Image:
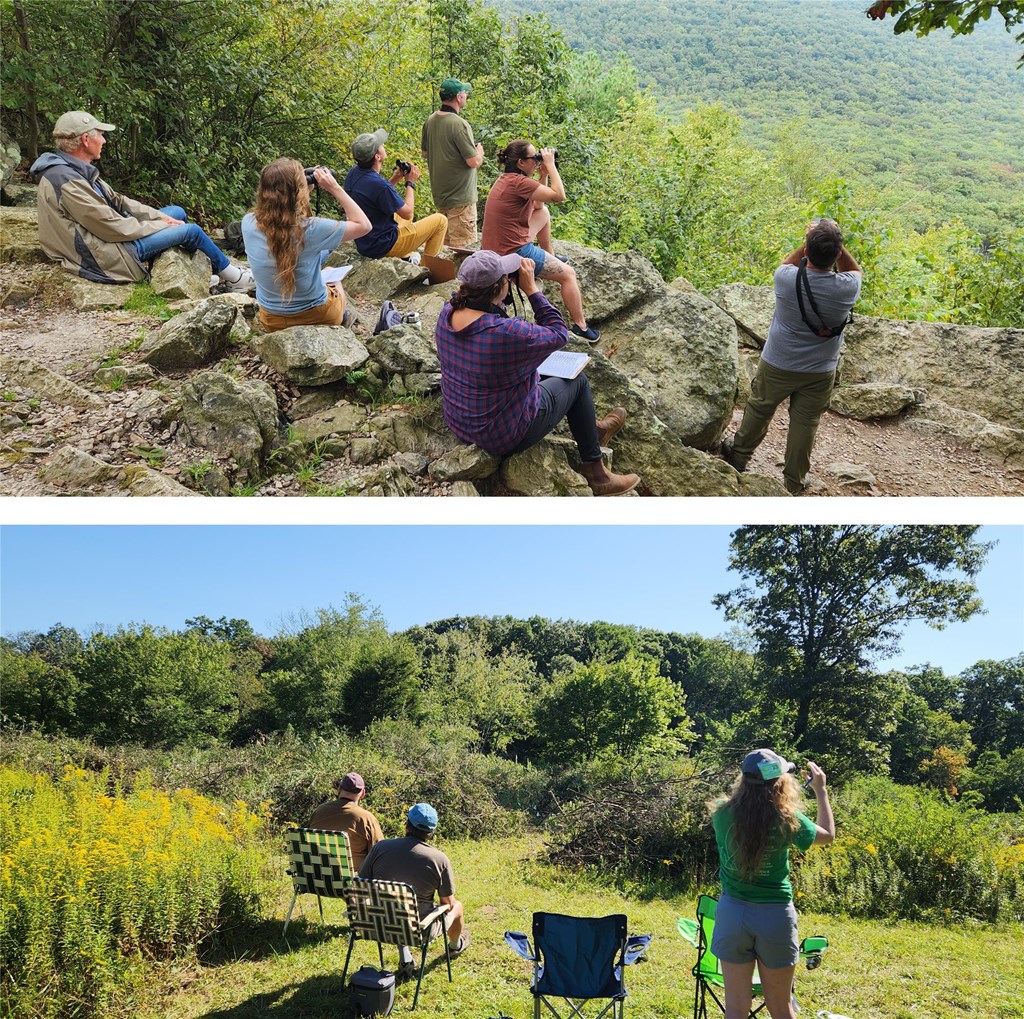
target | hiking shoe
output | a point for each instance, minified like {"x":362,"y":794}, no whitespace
{"x":590,"y":334}
{"x":407,"y":971}
{"x":463,"y":944}
{"x":244,"y":283}
{"x":610,"y":425}
{"x":731,"y":457}
{"x":348,"y":319}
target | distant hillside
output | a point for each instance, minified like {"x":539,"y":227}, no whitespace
{"x":927,"y":129}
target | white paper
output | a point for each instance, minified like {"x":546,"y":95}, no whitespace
{"x":335,"y":275}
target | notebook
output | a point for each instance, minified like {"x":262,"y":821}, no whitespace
{"x":563,"y":364}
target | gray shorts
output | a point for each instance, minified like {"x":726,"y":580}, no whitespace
{"x":756,"y":931}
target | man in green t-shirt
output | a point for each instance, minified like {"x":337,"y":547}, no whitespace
{"x":452,"y":160}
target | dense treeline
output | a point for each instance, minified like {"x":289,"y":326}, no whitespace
{"x":693,"y":193}
{"x":560,"y":694}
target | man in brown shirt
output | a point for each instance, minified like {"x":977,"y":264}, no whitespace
{"x":345,"y":814}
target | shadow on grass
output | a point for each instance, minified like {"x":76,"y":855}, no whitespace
{"x":315,"y":998}
{"x":263,"y":940}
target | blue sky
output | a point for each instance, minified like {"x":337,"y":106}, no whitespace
{"x":658,"y":576}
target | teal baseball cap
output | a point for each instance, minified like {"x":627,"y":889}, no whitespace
{"x":451,"y":87}
{"x":422,"y":816}
{"x":764,"y":765}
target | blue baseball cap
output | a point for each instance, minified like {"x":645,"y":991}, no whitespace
{"x":422,"y":816}
{"x":765,"y":765}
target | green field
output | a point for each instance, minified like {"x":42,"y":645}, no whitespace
{"x":873,"y":970}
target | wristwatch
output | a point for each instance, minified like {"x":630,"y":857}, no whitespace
{"x":410,"y":184}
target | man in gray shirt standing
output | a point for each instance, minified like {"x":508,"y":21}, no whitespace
{"x":427,"y":869}
{"x":815,"y":288}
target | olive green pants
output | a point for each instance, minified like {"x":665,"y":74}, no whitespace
{"x":809,"y":394}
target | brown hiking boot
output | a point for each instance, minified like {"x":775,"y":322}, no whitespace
{"x":610,"y":425}
{"x":603,"y":482}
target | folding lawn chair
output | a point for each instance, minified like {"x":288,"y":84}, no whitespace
{"x":387,"y":912}
{"x":320,"y":862}
{"x":579,"y":959}
{"x":708,"y":969}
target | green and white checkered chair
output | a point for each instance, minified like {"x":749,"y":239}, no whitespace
{"x":320,"y":864}
{"x":386,"y":912}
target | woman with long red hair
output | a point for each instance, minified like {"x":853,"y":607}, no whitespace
{"x":287,"y":246}
{"x":755,"y":921}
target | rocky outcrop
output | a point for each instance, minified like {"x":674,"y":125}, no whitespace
{"x":19,"y":235}
{"x":10,"y":156}
{"x":179,"y":275}
{"x":542,"y":470}
{"x":750,"y":307}
{"x":870,"y":400}
{"x":999,"y":441}
{"x":40,"y":379}
{"x":89,"y":296}
{"x":76,"y":472}
{"x":192,"y":339}
{"x":611,"y":283}
{"x":464,"y":463}
{"x":312,"y":355}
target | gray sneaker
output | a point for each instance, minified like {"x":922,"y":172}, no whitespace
{"x":462,"y":946}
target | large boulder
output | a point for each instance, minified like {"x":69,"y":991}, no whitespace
{"x":19,"y":235}
{"x":543,"y":470}
{"x":420,"y":430}
{"x":977,"y":369}
{"x":464,"y":463}
{"x":312,"y":355}
{"x":234,"y":418}
{"x":374,"y":280}
{"x":21,"y":371}
{"x":343,"y":419}
{"x":179,"y":275}
{"x":752,"y":309}
{"x":682,"y":350}
{"x":87,"y":295}
{"x":871,"y":400}
{"x":402,"y":350}
{"x":999,"y":441}
{"x":191,"y":339}
{"x":648,"y":447}
{"x":611,"y":282}
{"x":10,"y":156}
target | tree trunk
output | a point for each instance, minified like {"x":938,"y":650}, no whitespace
{"x":31,"y":113}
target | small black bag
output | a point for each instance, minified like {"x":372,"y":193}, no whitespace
{"x":371,"y":992}
{"x":233,"y":241}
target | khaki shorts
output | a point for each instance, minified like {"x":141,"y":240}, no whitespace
{"x":461,"y":225}
{"x":330,"y":313}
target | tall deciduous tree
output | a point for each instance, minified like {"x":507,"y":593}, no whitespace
{"x":824,"y":602}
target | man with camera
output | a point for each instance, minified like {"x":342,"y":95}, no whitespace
{"x":452,"y":159}
{"x":393,"y":234}
{"x":816,"y":288}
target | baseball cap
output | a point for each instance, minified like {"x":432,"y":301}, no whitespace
{"x":484,"y":268}
{"x":352,"y":783}
{"x":765,"y":765}
{"x":77,"y":122}
{"x":422,"y":816}
{"x":451,"y":87}
{"x":364,"y":148}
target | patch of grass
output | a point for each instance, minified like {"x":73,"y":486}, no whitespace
{"x":152,"y":455}
{"x":113,"y":357}
{"x":329,"y":491}
{"x":197,"y":471}
{"x":145,"y":301}
{"x":115,"y":382}
{"x":873,"y":969}
{"x":9,"y":396}
{"x":247,"y":489}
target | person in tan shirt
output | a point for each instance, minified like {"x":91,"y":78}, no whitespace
{"x":345,"y":814}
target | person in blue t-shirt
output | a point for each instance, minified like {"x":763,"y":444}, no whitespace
{"x":287,"y":246}
{"x":755,"y":922}
{"x":394,"y":233}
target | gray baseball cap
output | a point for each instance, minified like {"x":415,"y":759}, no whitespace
{"x":364,"y":148}
{"x":764,"y":765}
{"x":76,"y":122}
{"x":484,"y":268}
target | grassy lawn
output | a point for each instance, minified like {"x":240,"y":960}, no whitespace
{"x":873,"y":970}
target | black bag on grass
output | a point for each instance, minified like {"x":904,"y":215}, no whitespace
{"x":371,"y":992}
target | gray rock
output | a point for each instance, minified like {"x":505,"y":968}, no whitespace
{"x":422,"y":383}
{"x":177,"y":274}
{"x":312,"y":355}
{"x":317,"y":399}
{"x":129,"y":375}
{"x":341,"y":420}
{"x":10,"y":156}
{"x":413,"y":464}
{"x":464,"y":463}
{"x":150,"y":404}
{"x":39,"y":379}
{"x":233,"y":418}
{"x":752,"y":308}
{"x":141,"y":480}
{"x":872,"y":400}
{"x":976,"y":369}
{"x":611,"y":282}
{"x":387,"y":481}
{"x":464,"y":490}
{"x":192,"y":339}
{"x":9,"y":421}
{"x":422,"y":431}
{"x":683,"y":285}
{"x":19,"y":235}
{"x":403,"y":349}
{"x":999,"y":441}
{"x":76,"y":470}
{"x":544,"y":471}
{"x":89,"y":296}
{"x":374,"y":280}
{"x":683,"y":348}
{"x":850,"y":473}
{"x":364,"y":449}
{"x":214,"y":483}
{"x":21,"y":195}
{"x":748,"y":363}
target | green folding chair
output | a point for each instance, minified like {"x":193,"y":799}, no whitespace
{"x":708,"y":969}
{"x":320,"y":864}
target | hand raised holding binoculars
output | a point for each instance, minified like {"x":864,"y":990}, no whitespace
{"x":528,"y":276}
{"x":548,"y":157}
{"x":326,"y":181}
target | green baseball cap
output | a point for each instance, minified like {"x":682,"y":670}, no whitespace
{"x":364,"y":148}
{"x":451,"y":87}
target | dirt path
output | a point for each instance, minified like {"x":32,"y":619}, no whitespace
{"x":37,"y":321}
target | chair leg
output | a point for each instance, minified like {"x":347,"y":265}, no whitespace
{"x":447,"y":954}
{"x":419,"y":979}
{"x":288,"y":918}
{"x":351,"y":942}
{"x":380,"y":952}
{"x":320,"y":903}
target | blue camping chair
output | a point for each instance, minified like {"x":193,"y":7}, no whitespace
{"x":579,"y":959}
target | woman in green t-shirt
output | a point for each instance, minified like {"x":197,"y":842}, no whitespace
{"x":755,"y":922}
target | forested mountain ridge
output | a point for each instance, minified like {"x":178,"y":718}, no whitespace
{"x":932,"y":129}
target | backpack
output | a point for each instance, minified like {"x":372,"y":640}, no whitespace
{"x":233,"y":239}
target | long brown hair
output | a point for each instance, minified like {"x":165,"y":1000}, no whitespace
{"x":760,"y":812}
{"x":281,"y":209}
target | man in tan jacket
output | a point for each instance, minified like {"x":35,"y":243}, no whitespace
{"x":345,"y":814}
{"x":99,"y":234}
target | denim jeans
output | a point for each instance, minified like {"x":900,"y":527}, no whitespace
{"x":570,"y":399}
{"x":189,"y":236}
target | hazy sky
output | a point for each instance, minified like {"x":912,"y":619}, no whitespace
{"x":663,"y":577}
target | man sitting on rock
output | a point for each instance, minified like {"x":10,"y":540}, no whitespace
{"x":427,"y":869}
{"x":394,"y":233}
{"x":815,"y":288}
{"x":345,"y":814}
{"x":99,"y":234}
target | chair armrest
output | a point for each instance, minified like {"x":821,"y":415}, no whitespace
{"x":431,"y":917}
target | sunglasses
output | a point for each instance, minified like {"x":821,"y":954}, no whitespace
{"x":538,"y":158}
